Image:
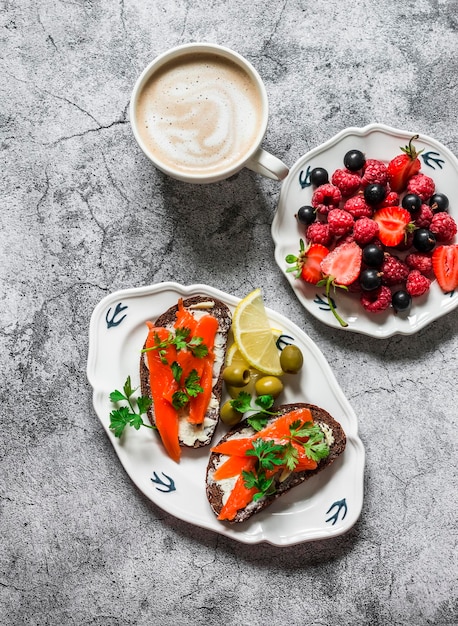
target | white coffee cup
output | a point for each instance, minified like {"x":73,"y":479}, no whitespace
{"x":199,"y":112}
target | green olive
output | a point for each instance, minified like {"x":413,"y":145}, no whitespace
{"x":291,"y":359}
{"x":269,"y":386}
{"x":236,"y":375}
{"x":229,"y":415}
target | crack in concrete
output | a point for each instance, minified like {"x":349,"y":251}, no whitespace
{"x":122,"y":120}
{"x":101,"y":227}
{"x":43,"y":197}
{"x":74,"y":104}
{"x":113,"y":180}
{"x":122,"y":16}
{"x":276,"y":24}
{"x":85,"y":132}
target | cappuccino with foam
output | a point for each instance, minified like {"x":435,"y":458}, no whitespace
{"x":199,"y":112}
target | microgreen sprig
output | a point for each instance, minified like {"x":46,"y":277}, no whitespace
{"x":127,"y":415}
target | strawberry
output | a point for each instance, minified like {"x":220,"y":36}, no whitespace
{"x":403,"y":167}
{"x":394,"y":224}
{"x":445,"y":267}
{"x":341,"y":267}
{"x":343,"y":264}
{"x":307,"y":264}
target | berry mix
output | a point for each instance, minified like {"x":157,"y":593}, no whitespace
{"x":380,"y":230}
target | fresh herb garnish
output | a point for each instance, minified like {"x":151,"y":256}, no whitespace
{"x":182,"y":340}
{"x":190,"y":389}
{"x":315,"y":447}
{"x":270,"y":455}
{"x":243,"y":404}
{"x":266,"y":453}
{"x":259,"y":481}
{"x":127,"y":415}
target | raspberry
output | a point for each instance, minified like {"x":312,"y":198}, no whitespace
{"x":347,"y":239}
{"x":318,"y":232}
{"x":358,"y":207}
{"x":325,"y":198}
{"x":391,"y":199}
{"x":421,"y":185}
{"x":340,"y":222}
{"x":394,"y":270}
{"x":443,"y":226}
{"x":417,"y":284}
{"x":424,"y":216}
{"x":348,"y":182}
{"x":365,"y":230}
{"x":376,"y":301}
{"x":419,"y":261}
{"x":374,"y":172}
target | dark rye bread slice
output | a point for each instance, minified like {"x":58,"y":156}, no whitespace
{"x":320,"y":416}
{"x":193,"y":435}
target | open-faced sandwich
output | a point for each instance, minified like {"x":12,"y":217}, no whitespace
{"x":262,"y":458}
{"x":181,"y":371}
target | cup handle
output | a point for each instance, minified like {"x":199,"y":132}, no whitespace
{"x":268,"y":165}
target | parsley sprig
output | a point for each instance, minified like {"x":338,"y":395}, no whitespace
{"x":189,"y":388}
{"x":315,"y":447}
{"x":243,"y":404}
{"x":128,"y":415}
{"x":181,"y":339}
{"x":270,"y":455}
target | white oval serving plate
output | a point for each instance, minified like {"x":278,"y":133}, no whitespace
{"x":325,"y":506}
{"x":377,"y":141}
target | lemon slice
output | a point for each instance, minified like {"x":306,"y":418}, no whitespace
{"x":253,"y":335}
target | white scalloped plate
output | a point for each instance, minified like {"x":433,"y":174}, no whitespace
{"x":379,"y":142}
{"x":325,"y":506}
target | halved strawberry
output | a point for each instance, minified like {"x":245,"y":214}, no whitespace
{"x":394,"y":224}
{"x":341,"y":267}
{"x":343,"y":264}
{"x":445,"y":267}
{"x":403,"y":167}
{"x":307,"y":264}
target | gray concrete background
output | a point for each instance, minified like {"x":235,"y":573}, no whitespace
{"x":83,"y":214}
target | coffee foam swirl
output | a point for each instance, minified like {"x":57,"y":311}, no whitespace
{"x":201,"y":115}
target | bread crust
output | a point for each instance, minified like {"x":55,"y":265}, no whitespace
{"x":193,"y":435}
{"x":320,"y":416}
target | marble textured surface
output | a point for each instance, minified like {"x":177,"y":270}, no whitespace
{"x":84,"y":214}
